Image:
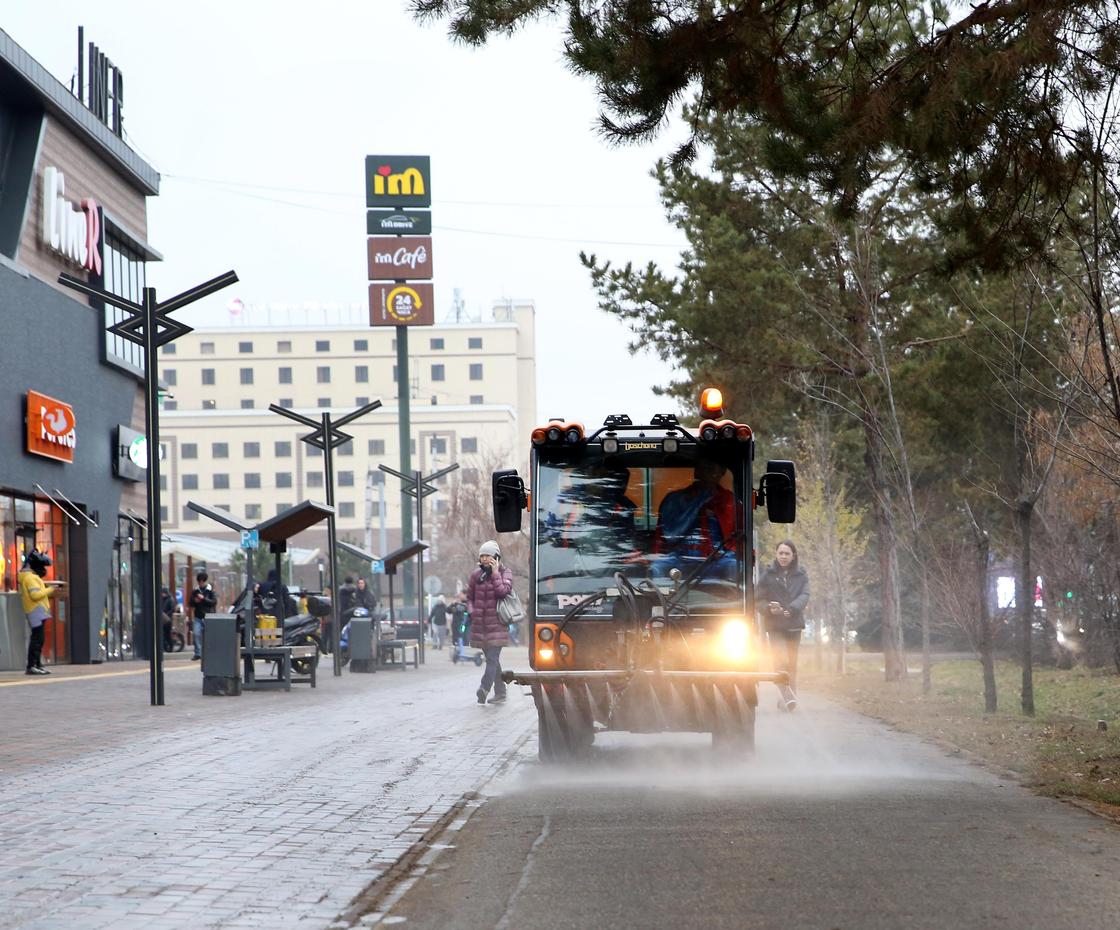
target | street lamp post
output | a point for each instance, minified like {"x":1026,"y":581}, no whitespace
{"x":149,"y":325}
{"x":328,"y":437}
{"x":417,"y":487}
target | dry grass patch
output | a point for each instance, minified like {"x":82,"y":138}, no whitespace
{"x":1059,"y":752}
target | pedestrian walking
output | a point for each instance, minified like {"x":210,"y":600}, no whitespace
{"x":488,"y":584}
{"x":438,"y":620}
{"x":167,"y":607}
{"x":460,"y":625}
{"x":783,"y":592}
{"x":36,"y":596}
{"x":203,"y":602}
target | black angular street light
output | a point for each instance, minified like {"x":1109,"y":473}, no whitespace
{"x":418,"y":486}
{"x":149,"y":326}
{"x":328,"y":437}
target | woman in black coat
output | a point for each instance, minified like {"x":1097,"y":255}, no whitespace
{"x":783,"y":592}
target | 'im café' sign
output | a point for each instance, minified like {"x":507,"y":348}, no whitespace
{"x":399,"y":247}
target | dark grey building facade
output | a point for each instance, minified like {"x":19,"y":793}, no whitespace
{"x":73,"y":198}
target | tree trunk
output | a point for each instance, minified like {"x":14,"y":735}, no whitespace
{"x":894,"y":659}
{"x":985,"y":638}
{"x":927,"y":667}
{"x":1025,"y":602}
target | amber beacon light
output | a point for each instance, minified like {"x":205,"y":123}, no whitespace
{"x":711,"y":402}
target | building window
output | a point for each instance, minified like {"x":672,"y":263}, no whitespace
{"x":346,"y":479}
{"x":283,"y":479}
{"x":474,"y":342}
{"x":169,"y":349}
{"x":189,"y":515}
{"x":361,"y":373}
{"x":412,"y":446}
{"x":219,"y":450}
{"x":439,"y":445}
{"x":189,"y":450}
{"x":247,"y":375}
{"x":252,"y":479}
{"x":476,"y":398}
{"x":282,"y":450}
{"x":476,"y":371}
{"x":207,"y":376}
{"x":394,"y":372}
{"x":209,"y":405}
{"x":190,"y":482}
{"x":251,"y":450}
{"x":470,"y":475}
{"x":314,"y":479}
{"x":375,"y":508}
{"x":170,"y":405}
{"x":169,"y":377}
{"x":361,"y":345}
{"x":468,"y":444}
{"x":376,"y":447}
{"x":206,"y":348}
{"x":125,"y":275}
{"x":280,"y":508}
{"x":437,"y":373}
{"x":314,"y":452}
{"x":323,"y":374}
{"x":346,"y":509}
{"x":285,"y":376}
{"x":361,"y":401}
{"x":435,"y":344}
{"x":376,"y":478}
{"x":324,"y":402}
{"x":347,"y":448}
{"x":248,"y":405}
{"x":286,"y":403}
{"x":245,"y":348}
{"x":284,"y":345}
{"x":252,"y":511}
{"x":322,"y":345}
{"x":163,"y":514}
{"x":221,"y":482}
{"x":441,"y":507}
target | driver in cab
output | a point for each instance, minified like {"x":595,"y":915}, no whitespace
{"x":696,"y":521}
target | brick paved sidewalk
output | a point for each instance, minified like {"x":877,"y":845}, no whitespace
{"x":272,"y":809}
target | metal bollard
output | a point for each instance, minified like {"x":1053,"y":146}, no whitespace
{"x":221,"y":656}
{"x":363,"y":645}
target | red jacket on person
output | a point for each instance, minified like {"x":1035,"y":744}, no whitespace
{"x":484,"y":590}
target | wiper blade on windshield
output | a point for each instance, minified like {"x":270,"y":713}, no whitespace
{"x":695,"y":574}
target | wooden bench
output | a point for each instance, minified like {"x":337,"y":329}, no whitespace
{"x":387,"y":650}
{"x":283,"y":657}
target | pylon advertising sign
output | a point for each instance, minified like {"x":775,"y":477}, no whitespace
{"x":399,"y":304}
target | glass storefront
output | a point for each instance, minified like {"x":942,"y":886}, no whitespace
{"x":27,"y":523}
{"x":124,"y":599}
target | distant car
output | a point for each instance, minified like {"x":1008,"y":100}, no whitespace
{"x":406,"y":622}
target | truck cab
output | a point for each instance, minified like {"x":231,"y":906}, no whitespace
{"x":641,"y":594}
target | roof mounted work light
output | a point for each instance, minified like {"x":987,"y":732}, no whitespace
{"x":711,"y":402}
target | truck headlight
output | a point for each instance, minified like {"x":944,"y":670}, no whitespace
{"x":735,"y":640}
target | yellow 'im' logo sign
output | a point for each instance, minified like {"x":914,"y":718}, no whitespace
{"x":398,"y":181}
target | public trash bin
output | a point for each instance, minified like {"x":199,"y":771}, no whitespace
{"x":363,"y":645}
{"x":221,"y":656}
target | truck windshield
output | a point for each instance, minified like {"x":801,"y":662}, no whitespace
{"x":595,"y":519}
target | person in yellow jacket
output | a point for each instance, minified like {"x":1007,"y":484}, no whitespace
{"x":36,"y":599}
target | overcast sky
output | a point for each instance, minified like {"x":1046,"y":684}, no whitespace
{"x":258,"y":116}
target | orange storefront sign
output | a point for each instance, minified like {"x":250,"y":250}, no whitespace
{"x":51,"y":427}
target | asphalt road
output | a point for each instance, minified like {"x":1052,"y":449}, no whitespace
{"x":838,"y":823}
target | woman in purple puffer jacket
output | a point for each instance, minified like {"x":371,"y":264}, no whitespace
{"x":488,"y":584}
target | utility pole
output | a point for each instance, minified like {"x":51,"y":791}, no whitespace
{"x":149,"y":325}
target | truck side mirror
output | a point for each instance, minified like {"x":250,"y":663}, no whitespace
{"x":779,"y":489}
{"x":509,"y":500}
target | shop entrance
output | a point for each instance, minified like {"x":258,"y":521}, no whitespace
{"x":124,"y":598}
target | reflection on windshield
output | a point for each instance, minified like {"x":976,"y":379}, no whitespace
{"x":599,"y":519}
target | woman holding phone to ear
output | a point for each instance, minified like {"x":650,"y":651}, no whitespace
{"x":783,"y":592}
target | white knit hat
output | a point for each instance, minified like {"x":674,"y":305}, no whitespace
{"x":490,"y":548}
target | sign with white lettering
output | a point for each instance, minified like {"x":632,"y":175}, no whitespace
{"x":398,"y":181}
{"x":400,"y":258}
{"x":72,"y":232}
{"x":51,"y":428}
{"x":397,"y":304}
{"x":398,"y":222}
{"x":250,"y":539}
